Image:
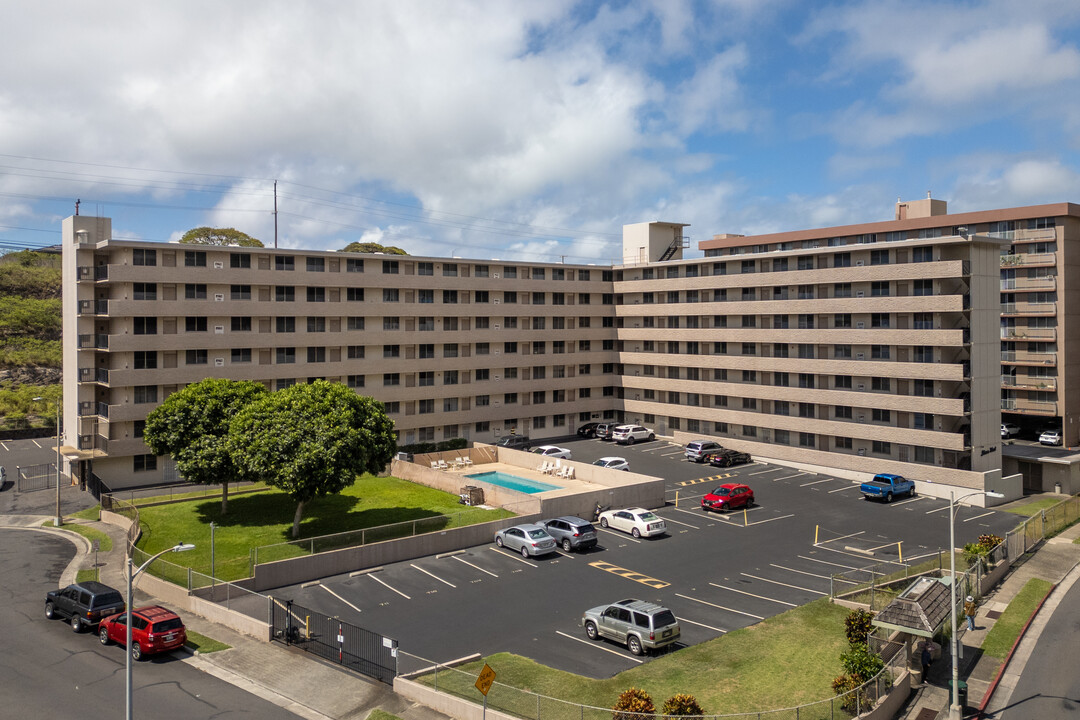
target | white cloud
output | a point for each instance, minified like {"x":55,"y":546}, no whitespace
{"x":987,"y":181}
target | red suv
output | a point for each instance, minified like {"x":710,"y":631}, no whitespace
{"x":728,"y":497}
{"x":153,"y":630}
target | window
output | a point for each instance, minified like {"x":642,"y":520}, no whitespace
{"x":240,"y":292}
{"x":482,"y":374}
{"x":881,"y":415}
{"x":882,"y":448}
{"x":390,"y":267}
{"x":425,"y":297}
{"x":284,"y":262}
{"x":316,"y":354}
{"x":510,"y":399}
{"x":450,"y":404}
{"x":922,"y":421}
{"x":144,"y":463}
{"x":315,"y":264}
{"x":286,"y":356}
{"x":145,"y":359}
{"x":781,"y":379}
{"x":539,"y":323}
{"x":922,"y":321}
{"x":881,"y":384}
{"x":241,"y":324}
{"x":806,"y":351}
{"x":316,"y":294}
{"x":749,"y":348}
{"x":842,"y":290}
{"x":391,"y":379}
{"x":356,"y":352}
{"x":145,"y":326}
{"x":842,"y":259}
{"x":749,"y":403}
{"x":354,"y":265}
{"x":923,"y":287}
{"x":842,"y":352}
{"x":807,"y":440}
{"x":539,"y":347}
{"x":842,"y":443}
{"x":749,"y":321}
{"x":806,"y":410}
{"x":449,"y":297}
{"x":390,"y":295}
{"x":196,"y":357}
{"x":879,"y":352}
{"x":806,"y":380}
{"x":241,"y":355}
{"x":450,"y":377}
{"x":138,"y":428}
{"x":354,"y":294}
{"x":879,"y":320}
{"x":842,"y":382}
{"x":879,"y":257}
{"x":450,"y":350}
{"x":510,"y":347}
{"x":922,"y":254}
{"x":144,"y":291}
{"x":286,"y":324}
{"x":195,"y":324}
{"x":879,"y":288}
{"x":509,"y":271}
{"x":355,"y":323}
{"x":481,"y":296}
{"x":391,"y":351}
{"x":749,"y":376}
{"x":144,"y":257}
{"x":355,"y":381}
{"x":391,"y":323}
{"x":483,"y":400}
{"x":923,"y":388}
{"x":284,"y":293}
{"x":195,"y":291}
{"x":240,"y":261}
{"x":194,"y":258}
{"x":781,"y":407}
{"x":806,"y":322}
{"x":425,"y":268}
{"x":425,"y":407}
{"x":842,"y":412}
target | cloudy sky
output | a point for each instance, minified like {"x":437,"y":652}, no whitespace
{"x":529,"y":130}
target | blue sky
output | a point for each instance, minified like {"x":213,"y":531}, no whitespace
{"x":529,"y":130}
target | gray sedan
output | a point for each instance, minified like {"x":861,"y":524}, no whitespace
{"x":528,"y":539}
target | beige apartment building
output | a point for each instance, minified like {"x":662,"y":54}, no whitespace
{"x":857,"y":350}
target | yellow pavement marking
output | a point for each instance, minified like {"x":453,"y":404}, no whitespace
{"x":630,"y":574}
{"x":713,"y":478}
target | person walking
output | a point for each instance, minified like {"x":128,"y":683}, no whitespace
{"x":970,"y":608}
{"x":927,"y":658}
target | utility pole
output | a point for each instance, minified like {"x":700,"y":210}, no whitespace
{"x":275,"y":214}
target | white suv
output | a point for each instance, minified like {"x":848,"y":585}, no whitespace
{"x":630,"y":434}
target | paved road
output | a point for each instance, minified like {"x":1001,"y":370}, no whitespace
{"x":1049,"y":688}
{"x":48,"y":671}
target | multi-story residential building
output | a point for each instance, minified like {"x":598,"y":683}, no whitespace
{"x":854,"y":352}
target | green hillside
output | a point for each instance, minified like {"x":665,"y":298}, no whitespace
{"x":30,"y":328}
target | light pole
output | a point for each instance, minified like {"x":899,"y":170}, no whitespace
{"x":955,"y":711}
{"x":58,"y":520}
{"x":181,"y":547}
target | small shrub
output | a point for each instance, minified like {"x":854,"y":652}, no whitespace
{"x":632,"y":704}
{"x":851,"y":698}
{"x":681,"y":704}
{"x":452,"y":444}
{"x":857,"y":625}
{"x":860,"y":663}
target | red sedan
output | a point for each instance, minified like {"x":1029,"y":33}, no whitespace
{"x":728,"y":497}
{"x":154,"y":629}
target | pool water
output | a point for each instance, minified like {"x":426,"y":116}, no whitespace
{"x":513,"y":482}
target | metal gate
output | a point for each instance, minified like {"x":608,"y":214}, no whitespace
{"x":35,"y":477}
{"x":353,"y":647}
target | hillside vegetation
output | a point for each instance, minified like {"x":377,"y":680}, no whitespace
{"x":30,"y":347}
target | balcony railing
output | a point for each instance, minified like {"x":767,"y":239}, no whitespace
{"x":1023,"y":333}
{"x":98,"y":375}
{"x":1020,"y":382}
{"x":93,"y":307}
{"x":93,"y":442}
{"x":100,"y":342}
{"x":89,"y":407}
{"x":1046,"y":282}
{"x":1024,"y":405}
{"x":1025,"y":356}
{"x":1029,"y":308}
{"x":1026,"y":235}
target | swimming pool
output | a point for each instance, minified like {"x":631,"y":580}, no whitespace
{"x":513,"y":482}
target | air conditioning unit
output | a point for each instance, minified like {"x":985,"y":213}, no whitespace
{"x":219,"y":362}
{"x":218,"y":265}
{"x":219,"y":297}
{"x":497,"y":301}
{"x":860,"y":325}
{"x":858,"y":263}
{"x":861,"y":386}
{"x":495,"y":275}
{"x":219,"y":329}
{"x":860,"y":293}
{"x":862,"y":451}
{"x":497,"y":326}
{"x":498,"y":378}
{"x":859,"y":356}
{"x":862,"y":418}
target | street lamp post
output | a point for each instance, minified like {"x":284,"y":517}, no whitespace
{"x":955,"y":711}
{"x":58,"y":520}
{"x":181,"y":547}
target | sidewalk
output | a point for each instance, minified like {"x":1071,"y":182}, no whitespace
{"x":1057,"y":561}
{"x":302,"y":684}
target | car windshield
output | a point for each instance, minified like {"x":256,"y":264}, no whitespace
{"x":537,"y":534}
{"x":601,"y":463}
{"x":663,"y":619}
{"x":647,"y":516}
{"x":110,"y":598}
{"x":723,"y":491}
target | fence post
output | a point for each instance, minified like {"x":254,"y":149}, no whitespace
{"x":537,"y":706}
{"x":189,"y":581}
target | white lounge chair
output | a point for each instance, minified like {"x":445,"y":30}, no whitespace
{"x":434,"y":465}
{"x":443,"y":465}
{"x":466,"y":461}
{"x":543,"y":467}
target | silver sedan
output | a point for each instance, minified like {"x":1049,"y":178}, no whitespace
{"x":528,"y":539}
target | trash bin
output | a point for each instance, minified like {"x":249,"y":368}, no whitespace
{"x":961,"y":693}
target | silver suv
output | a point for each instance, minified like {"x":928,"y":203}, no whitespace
{"x":638,"y":624}
{"x":697,"y":450}
{"x":573,"y":533}
{"x":629,"y":434}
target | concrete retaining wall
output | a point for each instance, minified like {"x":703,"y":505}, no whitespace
{"x":445,"y":703}
{"x":890,"y":705}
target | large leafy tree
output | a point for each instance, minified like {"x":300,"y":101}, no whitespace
{"x":193,"y":426}
{"x":311,"y":440}
{"x":373,"y":247}
{"x":219,"y":236}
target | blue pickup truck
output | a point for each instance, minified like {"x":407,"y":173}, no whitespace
{"x":885,"y":487}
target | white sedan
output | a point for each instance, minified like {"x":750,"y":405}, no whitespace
{"x":552,"y":451}
{"x":613,"y":463}
{"x":636,"y":521}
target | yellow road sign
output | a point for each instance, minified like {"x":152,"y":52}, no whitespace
{"x":483,"y":682}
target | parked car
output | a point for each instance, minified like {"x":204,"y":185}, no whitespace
{"x":613,"y":463}
{"x":1050,"y":437}
{"x":640,"y":625}
{"x":726,"y":457}
{"x":552,"y":451}
{"x":696,"y":450}
{"x":83,"y":604}
{"x":630,"y":434}
{"x":154,"y":629}
{"x":639,"y":522}
{"x":603,"y":431}
{"x":587,"y":430}
{"x":514,"y":442}
{"x":528,"y":539}
{"x":1009,"y":430}
{"x":728,"y":497}
{"x":573,"y":533}
{"x":886,"y":486}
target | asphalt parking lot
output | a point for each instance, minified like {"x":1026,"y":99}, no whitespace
{"x":717,"y":573}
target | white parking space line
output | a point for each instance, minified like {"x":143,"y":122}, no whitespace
{"x":842,"y":537}
{"x":826,"y":562}
{"x":762,"y":522}
{"x":389,"y":587}
{"x":430,"y":574}
{"x":759,"y":597}
{"x":760,"y":472}
{"x":598,"y":646}
{"x":36,"y":443}
{"x":681,"y":523}
{"x":6,"y":448}
{"x":682,"y":619}
{"x":688,"y":512}
{"x":864,"y":557}
{"x":979,"y":516}
{"x":624,"y":536}
{"x":817,"y":482}
{"x":911,"y":560}
{"x":777,"y":582}
{"x":917,"y":498}
{"x":804,"y":572}
{"x":852,"y":486}
{"x":706,"y":602}
{"x":512,"y":556}
{"x":788,"y":477}
{"x":477,"y":567}
{"x":946,"y":507}
{"x":339,"y":597}
{"x":672,"y":454}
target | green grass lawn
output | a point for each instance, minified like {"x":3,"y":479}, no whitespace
{"x":203,"y":644}
{"x":1034,"y":507}
{"x":1003,"y":635}
{"x":381,"y":715}
{"x":86,"y":574}
{"x":88,"y":532}
{"x":786,"y":660}
{"x":93,"y":514}
{"x":266,"y":518}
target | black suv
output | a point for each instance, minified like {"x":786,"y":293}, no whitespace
{"x":84,"y":604}
{"x":514,"y":442}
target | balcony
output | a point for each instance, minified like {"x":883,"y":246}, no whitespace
{"x":1023,"y":382}
{"x":1023,"y":334}
{"x":1029,"y":308}
{"x":89,"y":407}
{"x":1025,"y":357}
{"x":1029,"y":407}
{"x":96,"y":375}
{"x":1039,"y":235}
{"x":1044,"y":283}
{"x":95,"y":342}
{"x":1028,"y":259}
{"x":93,"y":442}
{"x":93,"y":307}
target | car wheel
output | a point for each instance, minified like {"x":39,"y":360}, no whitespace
{"x":630,"y":440}
{"x":499,"y":541}
{"x":524,"y":551}
{"x":590,"y":630}
{"x":636,"y":533}
{"x":888,"y":497}
{"x":750,"y":502}
{"x":566,"y":544}
{"x":76,"y":624}
{"x":603,"y":522}
{"x":103,"y":635}
{"x":652,"y":436}
{"x":635,"y":645}
{"x":50,"y":611}
{"x":136,"y":650}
